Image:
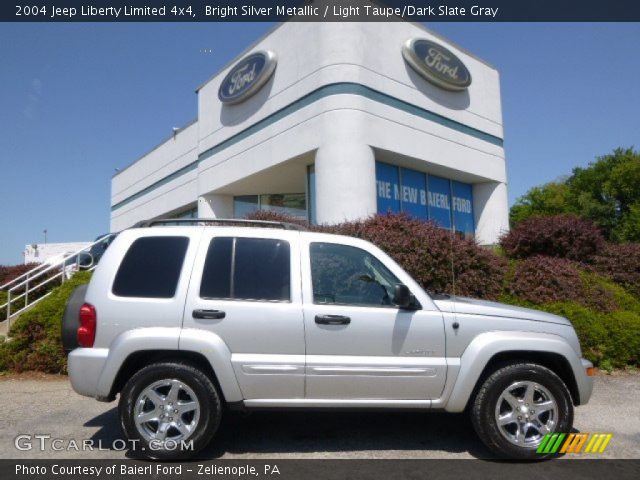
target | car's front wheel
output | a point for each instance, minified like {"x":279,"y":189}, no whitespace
{"x":169,"y":410}
{"x":519,"y":404}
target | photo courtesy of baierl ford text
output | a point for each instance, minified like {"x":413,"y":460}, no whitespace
{"x":328,"y":239}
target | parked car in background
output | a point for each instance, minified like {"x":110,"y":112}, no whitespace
{"x":97,"y":250}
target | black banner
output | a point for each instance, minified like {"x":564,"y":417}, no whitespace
{"x":320,"y":469}
{"x":321,"y":11}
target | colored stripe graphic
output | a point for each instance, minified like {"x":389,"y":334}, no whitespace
{"x":573,"y":443}
{"x":551,"y":443}
{"x":598,"y":443}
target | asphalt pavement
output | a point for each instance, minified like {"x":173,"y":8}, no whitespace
{"x":47,"y":406}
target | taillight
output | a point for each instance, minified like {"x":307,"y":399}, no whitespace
{"x":87,"y":328}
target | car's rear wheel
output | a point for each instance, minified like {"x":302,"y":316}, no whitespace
{"x":518,"y":405}
{"x":169,"y":410}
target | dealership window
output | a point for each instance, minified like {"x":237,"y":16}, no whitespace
{"x":245,"y":205}
{"x":189,"y":213}
{"x":311,"y":189}
{"x":447,"y":203}
{"x":292,"y":204}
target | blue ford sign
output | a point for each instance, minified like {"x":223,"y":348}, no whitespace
{"x":247,"y":77}
{"x":436,"y":64}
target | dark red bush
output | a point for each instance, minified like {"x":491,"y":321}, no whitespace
{"x":564,"y":236}
{"x":621,"y":263}
{"x":541,"y":279}
{"x":425,"y":251}
{"x":9,"y":272}
{"x":276,"y":217}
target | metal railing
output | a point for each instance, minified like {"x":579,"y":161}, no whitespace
{"x":35,"y":285}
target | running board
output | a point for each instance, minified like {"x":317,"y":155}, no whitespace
{"x":336,"y":403}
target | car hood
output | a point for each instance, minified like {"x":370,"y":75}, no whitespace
{"x":473,"y":306}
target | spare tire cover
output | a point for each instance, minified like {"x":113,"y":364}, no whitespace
{"x":70,"y":319}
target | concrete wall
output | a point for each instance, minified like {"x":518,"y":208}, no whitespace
{"x":339,"y":131}
{"x":176,"y":154}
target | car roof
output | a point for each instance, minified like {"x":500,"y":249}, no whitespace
{"x":217,"y":222}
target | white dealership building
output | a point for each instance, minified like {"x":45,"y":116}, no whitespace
{"x":334,"y":122}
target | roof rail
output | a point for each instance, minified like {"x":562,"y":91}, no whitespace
{"x":219,"y":221}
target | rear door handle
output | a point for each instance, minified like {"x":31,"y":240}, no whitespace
{"x":332,"y":320}
{"x":208,"y":314}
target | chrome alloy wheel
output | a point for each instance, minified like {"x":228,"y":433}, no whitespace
{"x":525,"y":412}
{"x":167,"y":410}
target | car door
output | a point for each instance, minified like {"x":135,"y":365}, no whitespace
{"x":245,"y":288}
{"x":359,"y":344}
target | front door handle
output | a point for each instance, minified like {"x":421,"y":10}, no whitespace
{"x":208,"y":314}
{"x":332,"y":320}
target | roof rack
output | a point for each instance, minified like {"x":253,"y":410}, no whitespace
{"x":220,"y":221}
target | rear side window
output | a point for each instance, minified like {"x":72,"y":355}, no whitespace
{"x":151,"y":268}
{"x":247,"y":269}
{"x":216,"y":278}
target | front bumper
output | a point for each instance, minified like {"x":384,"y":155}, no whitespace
{"x":584,"y":382}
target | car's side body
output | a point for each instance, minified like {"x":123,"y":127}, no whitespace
{"x":276,"y":353}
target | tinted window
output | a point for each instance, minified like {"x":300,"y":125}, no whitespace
{"x":216,"y":277}
{"x":247,"y":269}
{"x":347,"y":275}
{"x":151,"y":268}
{"x":261,"y":269}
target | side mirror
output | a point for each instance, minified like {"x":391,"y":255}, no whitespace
{"x":402,"y":296}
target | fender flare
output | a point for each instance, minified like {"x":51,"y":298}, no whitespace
{"x":486,"y":345}
{"x":208,"y":344}
{"x":217,"y":353}
{"x":128,"y":343}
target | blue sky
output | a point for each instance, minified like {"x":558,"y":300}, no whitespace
{"x":79,"y":100}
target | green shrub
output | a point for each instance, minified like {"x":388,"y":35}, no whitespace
{"x":35,"y":336}
{"x":590,"y":327}
{"x":623,"y":298}
{"x":607,"y":339}
{"x":623,"y":347}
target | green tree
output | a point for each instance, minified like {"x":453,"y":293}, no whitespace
{"x":606,"y":192}
{"x":548,"y":199}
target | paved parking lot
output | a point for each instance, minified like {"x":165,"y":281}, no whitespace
{"x":47,"y":405}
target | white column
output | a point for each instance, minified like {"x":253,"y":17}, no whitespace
{"x":491,"y":211}
{"x":215,"y":206}
{"x":345,"y":182}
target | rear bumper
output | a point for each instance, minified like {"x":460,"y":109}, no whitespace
{"x":584,"y":382}
{"x":85,"y":366}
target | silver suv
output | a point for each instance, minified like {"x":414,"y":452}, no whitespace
{"x":186,"y":319}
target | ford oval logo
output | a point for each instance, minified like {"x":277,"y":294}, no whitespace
{"x":246,"y":78}
{"x":436,"y":64}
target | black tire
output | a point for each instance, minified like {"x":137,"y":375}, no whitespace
{"x":206,"y":393}
{"x":483,"y":409}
